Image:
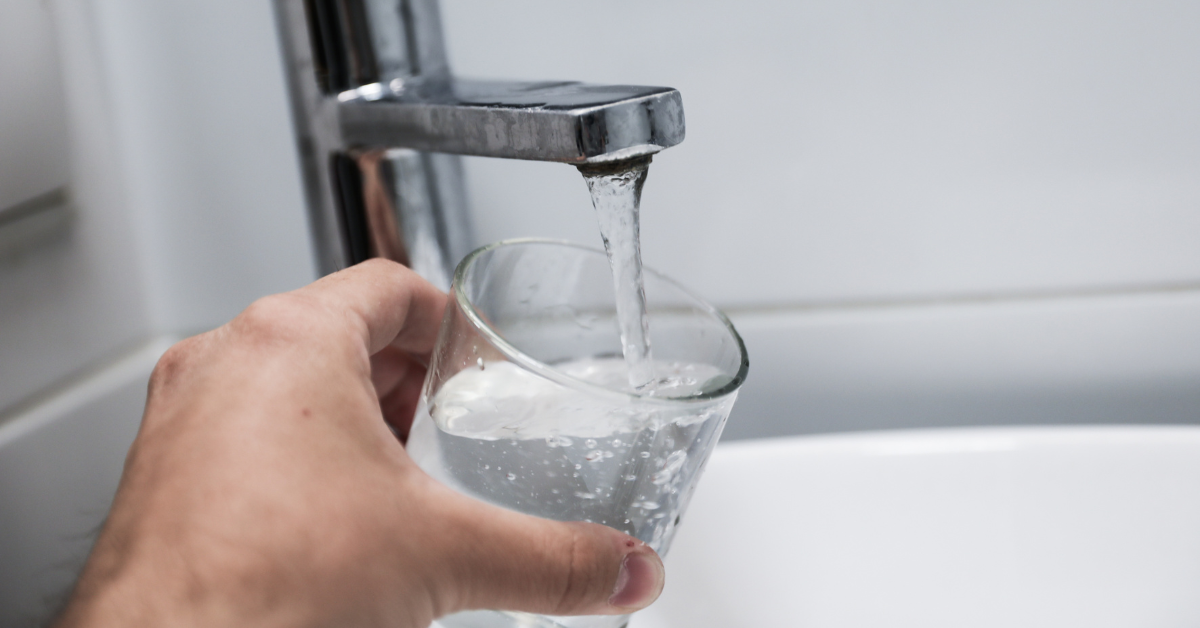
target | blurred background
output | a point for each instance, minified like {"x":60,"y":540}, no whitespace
{"x":918,"y":214}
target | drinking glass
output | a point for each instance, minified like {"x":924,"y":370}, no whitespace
{"x":527,"y":403}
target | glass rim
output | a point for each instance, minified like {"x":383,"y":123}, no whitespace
{"x":549,"y":372}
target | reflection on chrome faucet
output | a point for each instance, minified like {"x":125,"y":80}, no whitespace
{"x":380,"y":121}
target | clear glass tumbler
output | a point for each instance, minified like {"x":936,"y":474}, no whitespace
{"x":527,"y":403}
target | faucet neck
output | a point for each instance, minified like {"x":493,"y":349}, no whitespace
{"x":361,"y":42}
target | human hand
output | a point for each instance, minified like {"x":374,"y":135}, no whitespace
{"x":265,"y":487}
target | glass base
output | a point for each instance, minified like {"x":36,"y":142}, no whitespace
{"x":507,"y":619}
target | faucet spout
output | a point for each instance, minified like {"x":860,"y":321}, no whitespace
{"x":565,"y":122}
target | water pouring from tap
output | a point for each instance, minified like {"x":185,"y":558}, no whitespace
{"x":616,"y":189}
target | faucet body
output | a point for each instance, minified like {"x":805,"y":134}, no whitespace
{"x":380,"y":122}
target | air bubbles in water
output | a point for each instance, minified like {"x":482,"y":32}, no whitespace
{"x":671,"y":466}
{"x":558,"y":441}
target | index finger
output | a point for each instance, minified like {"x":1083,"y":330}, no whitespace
{"x":394,"y":305}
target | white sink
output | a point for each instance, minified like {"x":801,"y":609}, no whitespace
{"x":972,"y":528}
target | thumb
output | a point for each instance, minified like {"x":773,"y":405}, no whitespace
{"x":509,"y":561}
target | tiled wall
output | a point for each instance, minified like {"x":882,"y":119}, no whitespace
{"x":33,"y":158}
{"x":843,"y":160}
{"x":186,"y":202}
{"x":59,"y":466}
{"x":73,"y":301}
{"x":873,"y":150}
{"x":920,"y":213}
{"x":185,"y":205}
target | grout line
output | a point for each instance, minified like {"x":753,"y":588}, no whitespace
{"x":29,"y":207}
{"x":1027,"y":296}
{"x":80,"y":387}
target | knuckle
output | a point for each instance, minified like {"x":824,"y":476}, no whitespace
{"x":279,"y":317}
{"x":173,"y":363}
{"x":266,"y":313}
{"x":383,"y":264}
{"x":582,"y":585}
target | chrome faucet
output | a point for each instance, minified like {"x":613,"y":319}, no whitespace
{"x":380,"y":122}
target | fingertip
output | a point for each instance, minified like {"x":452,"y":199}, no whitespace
{"x":640,"y":580}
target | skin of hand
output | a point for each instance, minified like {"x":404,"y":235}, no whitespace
{"x":265,"y":487}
